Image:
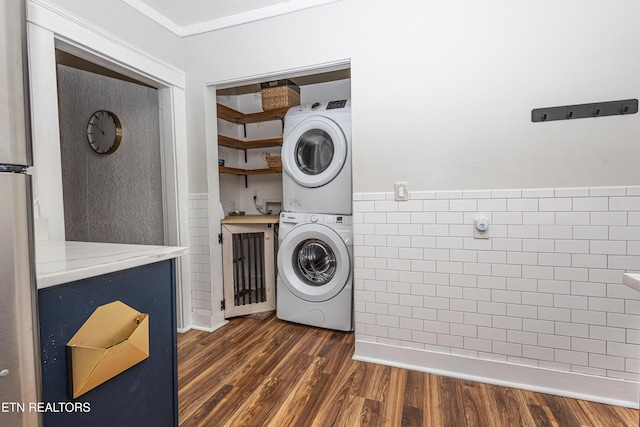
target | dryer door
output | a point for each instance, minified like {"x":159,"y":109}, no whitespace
{"x":315,"y":152}
{"x":314,"y":262}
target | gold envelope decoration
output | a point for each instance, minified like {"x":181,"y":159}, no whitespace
{"x":113,"y":339}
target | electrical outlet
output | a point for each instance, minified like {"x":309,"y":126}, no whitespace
{"x":273,"y":207}
{"x":402,"y":191}
{"x":481,"y":227}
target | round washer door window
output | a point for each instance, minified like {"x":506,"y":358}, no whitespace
{"x":314,"y":262}
{"x":315,"y":152}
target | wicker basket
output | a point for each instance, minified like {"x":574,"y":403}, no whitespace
{"x":274,"y":161}
{"x":279,"y":94}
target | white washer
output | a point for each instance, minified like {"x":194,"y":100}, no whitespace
{"x":315,"y":279}
{"x":316,"y":158}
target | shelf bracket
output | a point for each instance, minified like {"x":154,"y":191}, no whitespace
{"x":245,"y":154}
{"x":246,"y":181}
{"x":244,"y":128}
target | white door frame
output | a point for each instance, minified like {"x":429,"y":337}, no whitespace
{"x":49,"y":29}
{"x":213,"y":182}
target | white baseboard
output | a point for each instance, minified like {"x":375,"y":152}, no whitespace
{"x":202,"y":322}
{"x":578,"y":386}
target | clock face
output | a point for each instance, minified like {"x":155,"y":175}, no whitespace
{"x":104,"y":132}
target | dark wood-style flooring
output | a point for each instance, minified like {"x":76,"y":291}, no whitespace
{"x":274,"y":373}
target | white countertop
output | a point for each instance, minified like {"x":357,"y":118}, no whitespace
{"x":632,"y":280}
{"x":60,"y":262}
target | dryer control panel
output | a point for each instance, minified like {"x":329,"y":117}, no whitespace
{"x":336,"y":104}
{"x":343,"y":219}
{"x":319,"y":107}
{"x":302,"y":218}
{"x":328,"y":219}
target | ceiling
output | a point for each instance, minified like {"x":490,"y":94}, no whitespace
{"x":189,"y":12}
{"x":189,"y":17}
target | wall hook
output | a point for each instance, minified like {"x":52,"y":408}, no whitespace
{"x":582,"y":111}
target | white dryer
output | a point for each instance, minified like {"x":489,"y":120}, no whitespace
{"x":315,"y":279}
{"x":316,"y":158}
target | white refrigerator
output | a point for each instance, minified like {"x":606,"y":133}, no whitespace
{"x":19,"y":343}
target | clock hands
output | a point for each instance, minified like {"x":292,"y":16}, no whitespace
{"x":98,"y":126}
{"x":110,"y":132}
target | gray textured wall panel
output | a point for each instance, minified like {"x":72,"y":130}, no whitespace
{"x":115,"y":198}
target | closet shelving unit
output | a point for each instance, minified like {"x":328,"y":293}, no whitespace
{"x":248,"y":252}
{"x":233,"y":116}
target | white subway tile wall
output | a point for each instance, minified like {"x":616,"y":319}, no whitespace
{"x":200,"y":254}
{"x":544,"y":290}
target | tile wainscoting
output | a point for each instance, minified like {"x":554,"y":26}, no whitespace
{"x":200,"y":260}
{"x":538,"y":305}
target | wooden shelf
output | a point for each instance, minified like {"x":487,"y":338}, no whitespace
{"x":245,"y":172}
{"x":251,"y":219}
{"x":233,"y":116}
{"x":226,"y":141}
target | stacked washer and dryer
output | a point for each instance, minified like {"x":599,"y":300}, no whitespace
{"x":315,"y":255}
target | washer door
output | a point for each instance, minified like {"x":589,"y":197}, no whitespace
{"x":314,"y":262}
{"x":315,"y":152}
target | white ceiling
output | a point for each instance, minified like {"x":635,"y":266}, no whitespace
{"x":189,"y":17}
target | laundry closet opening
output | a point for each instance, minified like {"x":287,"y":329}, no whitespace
{"x":250,"y":184}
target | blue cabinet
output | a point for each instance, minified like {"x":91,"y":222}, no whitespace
{"x":145,"y":394}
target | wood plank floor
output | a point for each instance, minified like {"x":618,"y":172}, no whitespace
{"x":274,"y":373}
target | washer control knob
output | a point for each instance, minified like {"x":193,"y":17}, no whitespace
{"x":313,"y":218}
{"x":315,"y":106}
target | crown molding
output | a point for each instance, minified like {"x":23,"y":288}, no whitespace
{"x":82,"y":38}
{"x":154,"y":15}
{"x":227,"y":21}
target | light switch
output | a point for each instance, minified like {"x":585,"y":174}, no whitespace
{"x":402,"y":191}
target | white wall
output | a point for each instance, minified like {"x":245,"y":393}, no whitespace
{"x":453,"y":84}
{"x":450,"y":86}
{"x":243,"y":52}
{"x":442,"y":95}
{"x":123,"y":21}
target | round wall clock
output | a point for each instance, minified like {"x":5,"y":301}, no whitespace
{"x":104,"y":132}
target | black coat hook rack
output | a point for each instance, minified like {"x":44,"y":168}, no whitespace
{"x":582,"y":111}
